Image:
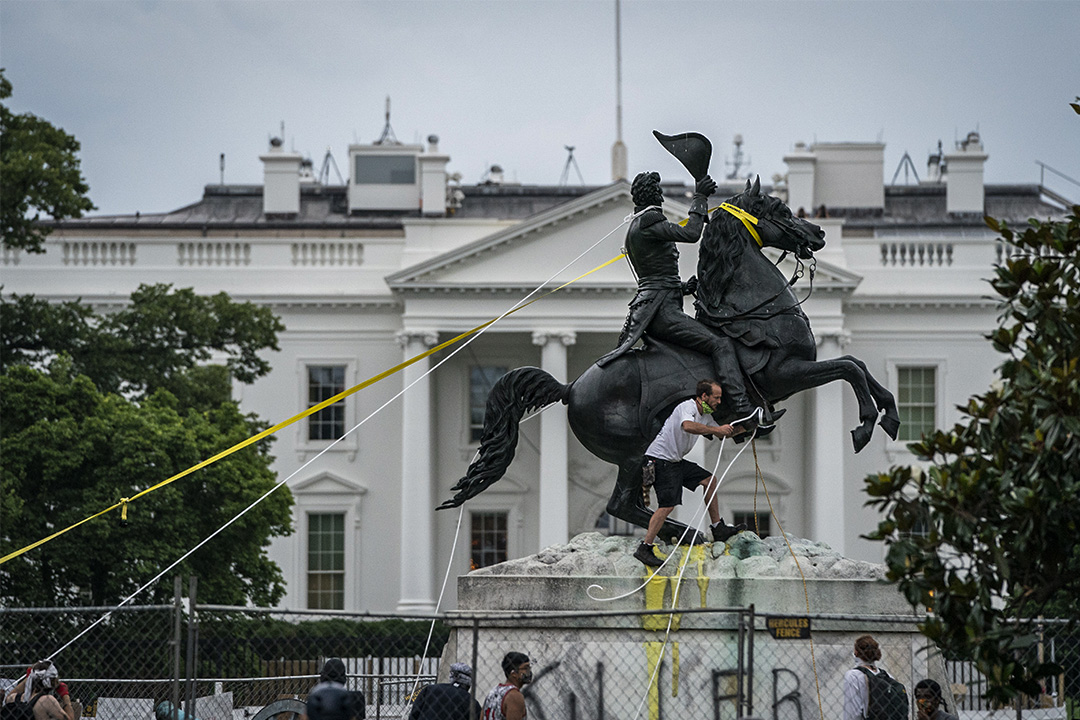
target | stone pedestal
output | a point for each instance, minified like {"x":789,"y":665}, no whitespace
{"x":593,"y":655}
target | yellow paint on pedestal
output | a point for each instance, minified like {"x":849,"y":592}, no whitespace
{"x":653,"y":653}
{"x":655,"y":591}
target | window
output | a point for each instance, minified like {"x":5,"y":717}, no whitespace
{"x":326,"y":561}
{"x":481,"y":379}
{"x":489,"y":539}
{"x":385,"y":170}
{"x":916,"y":401}
{"x":324,"y":382}
{"x":763,"y":526}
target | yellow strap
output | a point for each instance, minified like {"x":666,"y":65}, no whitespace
{"x":747,"y":219}
{"x":300,"y":416}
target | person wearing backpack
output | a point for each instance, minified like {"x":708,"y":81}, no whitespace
{"x":32,"y":698}
{"x":870,"y":693}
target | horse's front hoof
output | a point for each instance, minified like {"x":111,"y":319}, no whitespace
{"x":890,"y":425}
{"x":860,"y":436}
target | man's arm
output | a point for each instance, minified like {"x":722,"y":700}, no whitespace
{"x":699,"y":210}
{"x":721,"y":431}
{"x":52,"y":709}
{"x":514,"y":705}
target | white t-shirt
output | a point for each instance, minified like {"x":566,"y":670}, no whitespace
{"x":672,"y":442}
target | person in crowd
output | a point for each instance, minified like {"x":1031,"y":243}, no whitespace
{"x":43,"y":693}
{"x":871,"y":693}
{"x":930,"y":702}
{"x":448,"y":701}
{"x":329,"y":700}
{"x":506,"y":701}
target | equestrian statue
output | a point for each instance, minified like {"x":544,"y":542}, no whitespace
{"x":749,"y":333}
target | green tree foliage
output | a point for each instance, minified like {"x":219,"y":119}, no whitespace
{"x":155,"y":342}
{"x":988,"y":535}
{"x":97,"y":408}
{"x":39,"y":173}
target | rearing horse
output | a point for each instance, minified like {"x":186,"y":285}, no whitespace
{"x":615,"y":411}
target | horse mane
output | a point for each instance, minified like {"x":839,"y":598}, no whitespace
{"x":720,"y":253}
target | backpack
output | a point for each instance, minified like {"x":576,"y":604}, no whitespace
{"x":19,"y":710}
{"x":888,"y":697}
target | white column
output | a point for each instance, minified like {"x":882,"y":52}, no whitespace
{"x":554,"y":483}
{"x":416,"y":545}
{"x":828,"y":515}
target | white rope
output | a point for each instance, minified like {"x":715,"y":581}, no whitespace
{"x":269,"y":492}
{"x":682,"y":570}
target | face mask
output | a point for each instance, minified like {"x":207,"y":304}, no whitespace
{"x":706,"y":408}
{"x":526,"y":677}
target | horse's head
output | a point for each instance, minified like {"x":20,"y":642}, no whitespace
{"x":772,"y":222}
{"x":748,"y":221}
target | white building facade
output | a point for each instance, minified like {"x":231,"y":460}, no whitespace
{"x":400,"y":260}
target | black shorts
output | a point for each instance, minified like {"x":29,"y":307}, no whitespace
{"x":672,"y":477}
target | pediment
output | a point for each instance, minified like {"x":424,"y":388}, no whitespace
{"x":328,"y":483}
{"x":528,"y":253}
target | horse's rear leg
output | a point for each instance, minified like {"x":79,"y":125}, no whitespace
{"x":626,"y":503}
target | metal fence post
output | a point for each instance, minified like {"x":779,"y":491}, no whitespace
{"x":193,"y":583}
{"x":750,"y":665}
{"x":475,"y":647}
{"x":178,"y":612}
{"x":740,"y":667}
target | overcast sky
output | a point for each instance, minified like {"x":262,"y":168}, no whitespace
{"x":155,"y":91}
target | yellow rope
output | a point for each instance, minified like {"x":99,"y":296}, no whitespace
{"x":300,"y":416}
{"x":758,"y":476}
{"x":747,"y":219}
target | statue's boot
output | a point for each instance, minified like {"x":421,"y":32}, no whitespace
{"x":762,"y":429}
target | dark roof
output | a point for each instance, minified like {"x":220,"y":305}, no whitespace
{"x":908,"y":206}
{"x":239,"y":207}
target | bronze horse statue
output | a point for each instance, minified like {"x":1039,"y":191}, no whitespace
{"x":615,"y":411}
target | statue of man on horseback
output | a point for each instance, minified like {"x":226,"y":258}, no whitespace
{"x":657,"y":308}
{"x":750,"y":330}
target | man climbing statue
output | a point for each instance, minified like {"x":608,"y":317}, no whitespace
{"x":670,"y":473}
{"x":657,"y":308}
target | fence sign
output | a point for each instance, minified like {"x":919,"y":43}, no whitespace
{"x":788,"y":627}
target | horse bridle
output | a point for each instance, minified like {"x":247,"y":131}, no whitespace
{"x":749,"y":221}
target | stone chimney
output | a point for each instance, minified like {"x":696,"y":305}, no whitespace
{"x":964,"y":191}
{"x":433,"y":179}
{"x":281,"y":181}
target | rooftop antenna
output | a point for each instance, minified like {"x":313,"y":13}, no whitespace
{"x":618,"y":150}
{"x":324,"y":171}
{"x":387,"y":137}
{"x":566,"y":168}
{"x":906,"y":164}
{"x":737,"y":159}
{"x":221,"y":166}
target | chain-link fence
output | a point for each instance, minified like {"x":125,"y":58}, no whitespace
{"x":224,"y":663}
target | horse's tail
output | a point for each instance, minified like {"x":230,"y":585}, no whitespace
{"x":514,"y":394}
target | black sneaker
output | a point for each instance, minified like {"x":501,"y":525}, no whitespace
{"x":645,"y":554}
{"x":721,"y":531}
